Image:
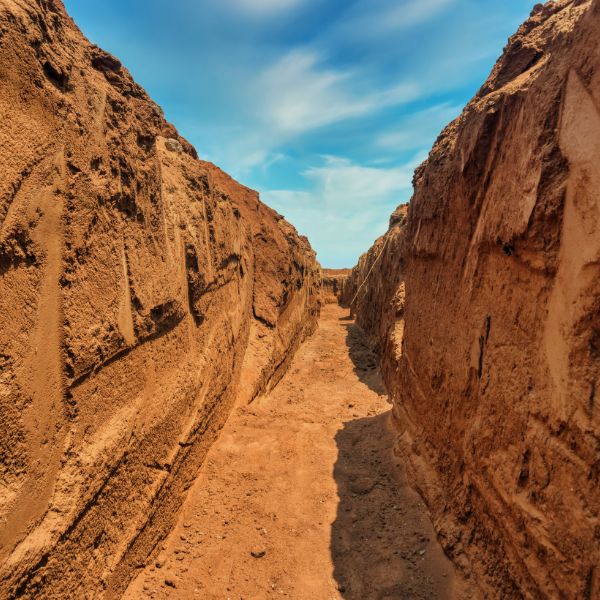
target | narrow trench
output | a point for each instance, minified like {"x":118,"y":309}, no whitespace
{"x":302,"y":497}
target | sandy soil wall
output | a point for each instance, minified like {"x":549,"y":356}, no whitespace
{"x":375,"y":290}
{"x":334,"y":282}
{"x":495,"y":382}
{"x":141,"y":290}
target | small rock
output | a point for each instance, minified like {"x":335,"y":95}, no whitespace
{"x":258,"y":552}
{"x":170,"y":583}
{"x":173,"y":145}
{"x":536,"y":10}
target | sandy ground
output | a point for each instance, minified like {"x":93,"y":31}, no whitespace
{"x":301,"y":497}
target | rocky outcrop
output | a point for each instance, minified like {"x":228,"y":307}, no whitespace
{"x":334,"y":282}
{"x":140,"y":290}
{"x":495,"y":383}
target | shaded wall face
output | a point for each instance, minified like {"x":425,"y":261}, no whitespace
{"x":495,"y":382}
{"x":333,"y":286}
{"x":131,"y":282}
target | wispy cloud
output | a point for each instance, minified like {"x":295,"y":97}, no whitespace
{"x":345,"y":205}
{"x":301,"y":93}
{"x":266,"y":87}
{"x":374,"y":19}
{"x":401,"y":15}
{"x":264,"y":7}
{"x":419,"y":129}
{"x":345,"y":185}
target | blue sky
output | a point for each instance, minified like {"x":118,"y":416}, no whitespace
{"x":324,"y":106}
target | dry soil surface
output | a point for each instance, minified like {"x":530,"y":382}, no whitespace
{"x":301,"y":497}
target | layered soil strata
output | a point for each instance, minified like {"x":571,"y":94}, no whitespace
{"x":495,"y":280}
{"x":140,"y":289}
{"x":334,"y":282}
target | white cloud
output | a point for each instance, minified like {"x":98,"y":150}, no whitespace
{"x":408,"y":14}
{"x":247,"y":153}
{"x":345,"y":206}
{"x":265,"y":7}
{"x":370,"y":19}
{"x":344,"y":185}
{"x":419,"y":129}
{"x":301,"y":94}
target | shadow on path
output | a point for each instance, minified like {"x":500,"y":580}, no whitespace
{"x":364,"y":359}
{"x":382,"y":542}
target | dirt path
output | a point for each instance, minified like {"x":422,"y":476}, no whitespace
{"x":301,"y":496}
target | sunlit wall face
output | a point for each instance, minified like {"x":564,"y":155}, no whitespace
{"x":324,"y":106}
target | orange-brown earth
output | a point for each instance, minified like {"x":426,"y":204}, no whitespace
{"x":141,"y":291}
{"x":302,"y":497}
{"x":334,"y":281}
{"x":493,"y":284}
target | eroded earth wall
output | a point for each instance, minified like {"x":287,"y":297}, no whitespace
{"x":375,"y":292}
{"x":495,"y":386}
{"x":140,"y":290}
{"x":334,"y":282}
